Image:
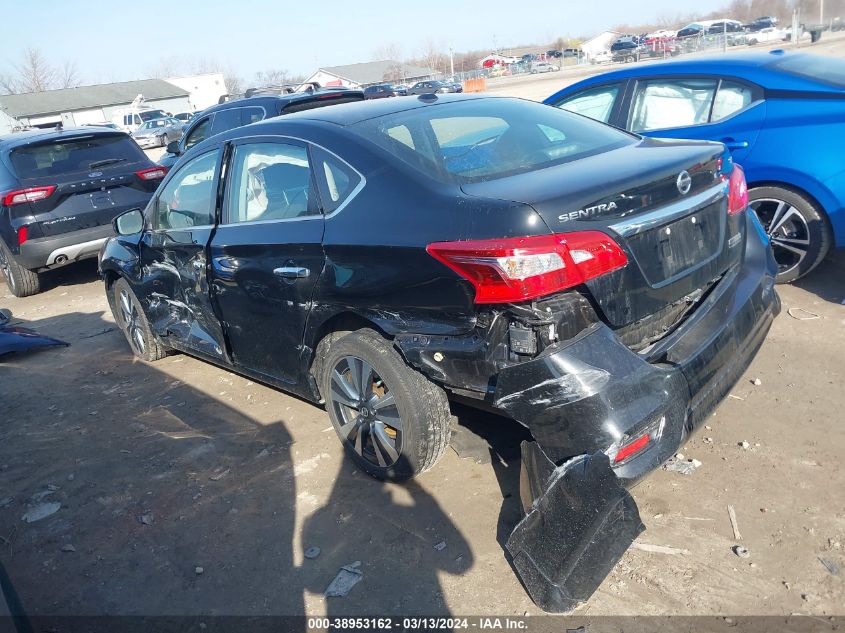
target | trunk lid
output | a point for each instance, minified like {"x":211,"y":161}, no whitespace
{"x":664,"y":202}
{"x":95,"y":178}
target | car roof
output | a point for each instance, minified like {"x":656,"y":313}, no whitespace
{"x":355,"y":112}
{"x":266,"y":100}
{"x":25,"y":137}
{"x":757,"y":67}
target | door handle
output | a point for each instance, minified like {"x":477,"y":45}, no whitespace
{"x":733,"y":144}
{"x":291,"y":272}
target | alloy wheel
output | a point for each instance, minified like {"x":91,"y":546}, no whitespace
{"x":787,"y":230}
{"x":369,"y":420}
{"x":132,"y":321}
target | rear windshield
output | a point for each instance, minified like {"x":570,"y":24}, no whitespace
{"x":830,"y":70}
{"x":484,"y":139}
{"x":149,"y":115}
{"x":73,"y":155}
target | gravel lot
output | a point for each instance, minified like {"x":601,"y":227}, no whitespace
{"x":186,"y":489}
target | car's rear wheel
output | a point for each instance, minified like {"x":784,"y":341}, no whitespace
{"x":392,"y":421}
{"x":797,"y":228}
{"x":132,"y":321}
{"x":21,"y":281}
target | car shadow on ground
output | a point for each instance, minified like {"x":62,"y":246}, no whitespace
{"x":173,"y":502}
{"x":827,"y":281}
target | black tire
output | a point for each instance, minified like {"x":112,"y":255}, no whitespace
{"x":163,"y":140}
{"x":143,"y":342}
{"x":406,"y":412}
{"x":798,"y":229}
{"x":21,"y":281}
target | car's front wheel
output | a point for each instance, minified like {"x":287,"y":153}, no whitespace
{"x":797,"y":228}
{"x":21,"y":281}
{"x":392,"y":421}
{"x":132,"y":321}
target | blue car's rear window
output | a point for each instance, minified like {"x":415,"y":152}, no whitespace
{"x":829,"y":70}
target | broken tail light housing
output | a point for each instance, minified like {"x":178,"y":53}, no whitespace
{"x":737,"y":191}
{"x":32,"y":194}
{"x":23,"y":234}
{"x":152,"y":173}
{"x":510,"y":270}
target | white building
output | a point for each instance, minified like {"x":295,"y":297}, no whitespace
{"x":204,"y":90}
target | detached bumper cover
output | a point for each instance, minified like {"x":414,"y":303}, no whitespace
{"x":579,"y":521}
{"x":592,"y":392}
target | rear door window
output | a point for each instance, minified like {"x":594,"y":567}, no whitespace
{"x":670,"y":103}
{"x":596,"y":103}
{"x":75,"y":155}
{"x":270,"y":181}
{"x":251,"y":115}
{"x":730,"y":99}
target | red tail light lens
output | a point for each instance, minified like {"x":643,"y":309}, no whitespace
{"x":152,"y":173}
{"x":33,"y":194}
{"x":516,"y":269}
{"x":737,"y":191}
{"x":632,"y":448}
{"x":23,"y":234}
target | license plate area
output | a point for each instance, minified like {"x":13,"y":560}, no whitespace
{"x":101,"y":199}
{"x":680,"y":246}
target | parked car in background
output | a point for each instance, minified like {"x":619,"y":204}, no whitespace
{"x":720,"y":27}
{"x":554,"y":53}
{"x":601,"y":57}
{"x":768,"y":34}
{"x":626,"y":49}
{"x":573,"y":52}
{"x":693,"y":29}
{"x":776,"y":111}
{"x":231,"y":114}
{"x":534,"y":258}
{"x":158,"y":132}
{"x":382,"y":91}
{"x":543,"y":67}
{"x":456,"y":86}
{"x":131,"y":119}
{"x":431,"y":86}
{"x":764,"y":22}
{"x":59,"y":192}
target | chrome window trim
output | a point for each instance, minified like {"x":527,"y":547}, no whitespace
{"x":671,"y":212}
{"x":320,"y":216}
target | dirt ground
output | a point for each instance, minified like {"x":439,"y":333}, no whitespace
{"x":187,"y":490}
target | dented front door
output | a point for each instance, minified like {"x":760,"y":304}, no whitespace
{"x":174,"y":258}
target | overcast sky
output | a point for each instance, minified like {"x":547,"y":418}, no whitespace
{"x":117,"y":40}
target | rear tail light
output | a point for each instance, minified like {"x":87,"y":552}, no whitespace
{"x":33,"y":194}
{"x":737,"y":191}
{"x":631,"y":448}
{"x":152,"y":173}
{"x":23,"y":234}
{"x":517,"y":269}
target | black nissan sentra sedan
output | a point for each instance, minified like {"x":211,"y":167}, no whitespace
{"x":603,"y":289}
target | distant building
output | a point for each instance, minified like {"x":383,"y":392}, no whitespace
{"x":99,"y":103}
{"x":370,"y":73}
{"x":600,"y":42}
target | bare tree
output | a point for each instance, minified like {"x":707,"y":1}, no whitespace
{"x":273,"y":77}
{"x":433,"y":56}
{"x":391,"y":51}
{"x":8,"y":84}
{"x":69,"y":75}
{"x":35,"y":74}
{"x":232,"y":83}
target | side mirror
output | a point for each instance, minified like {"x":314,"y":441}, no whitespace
{"x":173,"y":148}
{"x":129,"y":222}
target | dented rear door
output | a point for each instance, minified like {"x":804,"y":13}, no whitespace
{"x":174,"y":261}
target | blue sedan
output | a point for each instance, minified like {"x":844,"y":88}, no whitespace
{"x":782,"y":115}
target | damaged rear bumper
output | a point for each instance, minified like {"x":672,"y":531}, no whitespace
{"x":593,"y":394}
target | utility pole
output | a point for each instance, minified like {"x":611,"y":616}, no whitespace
{"x":821,"y":11}
{"x":451,"y":62}
{"x":725,"y":34}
